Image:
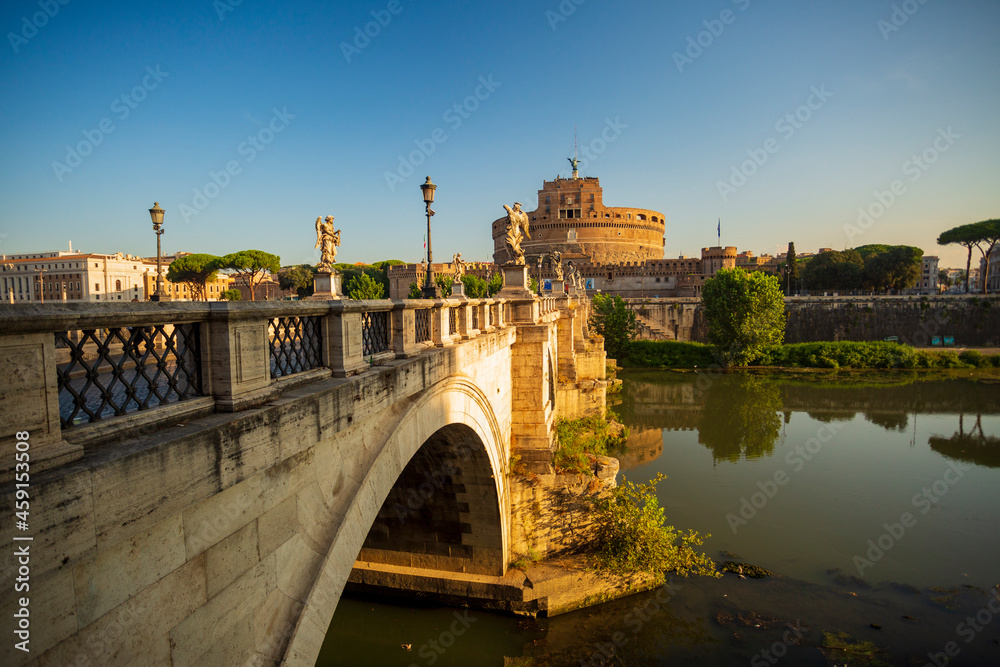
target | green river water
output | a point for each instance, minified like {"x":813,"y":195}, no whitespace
{"x":876,"y":504}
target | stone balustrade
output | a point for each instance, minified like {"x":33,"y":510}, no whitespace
{"x":78,"y":374}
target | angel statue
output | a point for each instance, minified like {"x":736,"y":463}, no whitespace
{"x":458,"y":264}
{"x":571,"y":275}
{"x":327,"y":239}
{"x":556,"y":263}
{"x":517,"y":231}
{"x":576,"y":163}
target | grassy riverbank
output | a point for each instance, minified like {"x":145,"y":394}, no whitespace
{"x":844,"y":354}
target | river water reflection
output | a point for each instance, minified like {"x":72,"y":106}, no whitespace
{"x":876,"y":504}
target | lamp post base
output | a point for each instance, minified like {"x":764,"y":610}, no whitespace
{"x":433,"y":292}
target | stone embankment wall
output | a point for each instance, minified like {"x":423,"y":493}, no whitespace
{"x":552,"y":515}
{"x":913,"y":320}
{"x":971,"y":320}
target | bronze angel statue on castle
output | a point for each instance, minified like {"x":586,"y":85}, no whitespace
{"x":327,"y":239}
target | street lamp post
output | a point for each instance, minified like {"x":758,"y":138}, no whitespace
{"x":540,"y":259}
{"x":431,"y":289}
{"x":156,"y":214}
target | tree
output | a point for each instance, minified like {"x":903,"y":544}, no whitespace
{"x":444,"y":282}
{"x":612,"y":318}
{"x":745,"y":313}
{"x":971,"y":236}
{"x":231,"y":295}
{"x":364,"y":287}
{"x":633,"y":536}
{"x":194,"y":270}
{"x":988,"y":232}
{"x":298,"y":278}
{"x":475,"y":287}
{"x":252,"y":266}
{"x":415,"y":292}
{"x":943,"y":279}
{"x":495,"y":284}
{"x":379,"y":272}
{"x":897,"y":268}
{"x":834,"y":270}
{"x":791,"y":269}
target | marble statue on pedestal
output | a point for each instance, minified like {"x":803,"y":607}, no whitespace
{"x":517,"y":231}
{"x":327,"y":240}
{"x":556,"y":263}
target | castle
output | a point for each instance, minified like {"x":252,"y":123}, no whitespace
{"x":617,"y":250}
{"x":571,"y":218}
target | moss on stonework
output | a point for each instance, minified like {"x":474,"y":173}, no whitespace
{"x":581,"y":440}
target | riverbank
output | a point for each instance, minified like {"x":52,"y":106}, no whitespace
{"x":831,"y":355}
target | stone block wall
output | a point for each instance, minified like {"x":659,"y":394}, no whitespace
{"x":552,"y":515}
{"x":971,"y":320}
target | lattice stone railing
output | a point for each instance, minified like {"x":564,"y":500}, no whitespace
{"x":77,"y":367}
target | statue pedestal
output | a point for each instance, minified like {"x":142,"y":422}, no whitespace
{"x":516,"y":284}
{"x":458,"y":289}
{"x":326,"y":286}
{"x":558,"y":288}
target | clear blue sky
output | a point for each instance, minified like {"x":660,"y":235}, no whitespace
{"x":889,"y":91}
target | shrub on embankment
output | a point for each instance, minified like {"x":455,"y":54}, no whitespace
{"x":842,"y":354}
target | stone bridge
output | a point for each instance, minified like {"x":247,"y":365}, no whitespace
{"x":203,"y":479}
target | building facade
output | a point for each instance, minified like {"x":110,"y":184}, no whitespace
{"x":74,"y":276}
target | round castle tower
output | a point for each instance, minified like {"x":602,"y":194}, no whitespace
{"x":571,"y":217}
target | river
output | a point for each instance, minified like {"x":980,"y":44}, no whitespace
{"x":875,"y":501}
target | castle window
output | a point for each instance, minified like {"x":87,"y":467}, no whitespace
{"x":548,"y":209}
{"x":591,"y":196}
{"x":548,"y":199}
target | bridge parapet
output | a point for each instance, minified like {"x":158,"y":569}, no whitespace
{"x":81,"y":373}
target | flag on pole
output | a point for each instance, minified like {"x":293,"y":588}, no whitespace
{"x":719,"y":230}
{"x":425,"y":241}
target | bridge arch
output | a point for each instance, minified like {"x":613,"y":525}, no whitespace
{"x":453,"y":417}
